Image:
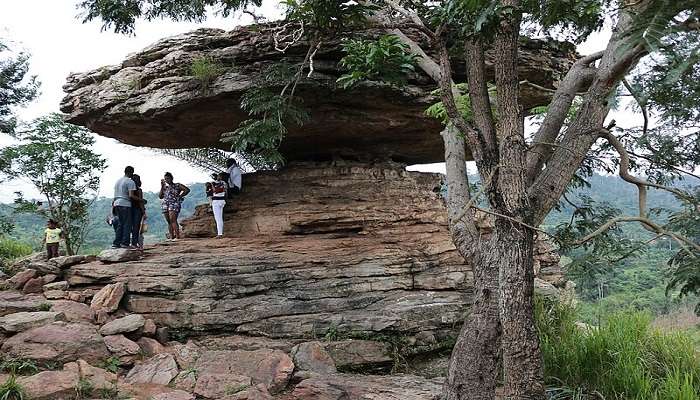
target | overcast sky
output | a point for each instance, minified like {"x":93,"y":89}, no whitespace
{"x":60,"y":44}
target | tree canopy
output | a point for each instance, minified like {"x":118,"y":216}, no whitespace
{"x":16,"y":87}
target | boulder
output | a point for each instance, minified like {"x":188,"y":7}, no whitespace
{"x":34,"y":285}
{"x":151,"y":98}
{"x":217,"y":386}
{"x":20,"y":279}
{"x":360,"y":355}
{"x":109,"y":297}
{"x":120,"y":346}
{"x":151,"y":347}
{"x":60,"y":285}
{"x":119,"y":255}
{"x":130,"y":323}
{"x":12,"y":302}
{"x":63,"y":262}
{"x":99,"y":378}
{"x":313,"y":357}
{"x":173,"y":395}
{"x":389,"y":387}
{"x":149,"y":328}
{"x":55,"y":294}
{"x":57,"y":342}
{"x":22,"y":321}
{"x":185,"y":354}
{"x":74,"y":311}
{"x":48,"y":278}
{"x":159,"y":369}
{"x":272,"y":368}
{"x":51,"y":385}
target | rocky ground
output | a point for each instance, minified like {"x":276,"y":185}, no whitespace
{"x":69,"y":337}
{"x":67,"y":343}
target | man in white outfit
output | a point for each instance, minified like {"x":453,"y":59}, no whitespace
{"x":234,"y":177}
{"x":218,"y":201}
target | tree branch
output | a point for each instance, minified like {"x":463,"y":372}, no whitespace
{"x":479,"y":93}
{"x":625,"y":174}
{"x":579,"y":74}
{"x":684,"y":242}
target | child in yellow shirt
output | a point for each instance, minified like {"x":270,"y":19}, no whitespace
{"x":52,"y":237}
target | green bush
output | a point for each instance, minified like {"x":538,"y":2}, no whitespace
{"x":624,"y":358}
{"x":12,"y":390}
{"x":10,"y":250}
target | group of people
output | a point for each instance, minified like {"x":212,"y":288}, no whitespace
{"x":128,"y":216}
{"x":128,"y":212}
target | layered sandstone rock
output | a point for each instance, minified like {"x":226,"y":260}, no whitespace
{"x":313,"y":248}
{"x":152,"y":99}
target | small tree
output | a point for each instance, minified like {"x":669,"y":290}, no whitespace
{"x":57,"y":158}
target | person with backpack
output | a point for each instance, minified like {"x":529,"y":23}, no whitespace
{"x":219,"y":191}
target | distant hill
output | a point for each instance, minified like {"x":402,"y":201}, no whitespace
{"x":28,"y":228}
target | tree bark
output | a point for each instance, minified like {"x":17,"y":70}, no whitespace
{"x":522,"y":360}
{"x":472,"y":374}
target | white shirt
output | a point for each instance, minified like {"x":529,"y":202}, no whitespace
{"x":235,"y":178}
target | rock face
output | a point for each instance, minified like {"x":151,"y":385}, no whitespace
{"x":311,"y":249}
{"x":151,"y":99}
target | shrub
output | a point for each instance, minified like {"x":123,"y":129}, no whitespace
{"x":10,"y":250}
{"x":624,"y":358}
{"x":205,"y":69}
{"x":12,"y":390}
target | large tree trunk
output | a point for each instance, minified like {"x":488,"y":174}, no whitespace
{"x":522,"y":360}
{"x":473,"y":366}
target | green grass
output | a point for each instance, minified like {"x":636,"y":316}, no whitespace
{"x":18,"y":366}
{"x":205,"y":69}
{"x":12,"y":390}
{"x":623,"y":358}
{"x":11,"y":249}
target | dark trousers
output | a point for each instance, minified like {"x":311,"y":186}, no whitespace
{"x":51,"y":250}
{"x":123,"y":230}
{"x":136,"y":215}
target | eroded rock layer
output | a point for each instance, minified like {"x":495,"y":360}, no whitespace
{"x":152,"y":99}
{"x":310,"y":249}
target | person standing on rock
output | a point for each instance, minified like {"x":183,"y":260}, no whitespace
{"x":124,"y":193}
{"x":138,"y":213}
{"x":52,"y":238}
{"x":219,"y":191}
{"x":235,"y":178}
{"x":172,"y":195}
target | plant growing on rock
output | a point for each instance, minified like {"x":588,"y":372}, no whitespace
{"x":18,"y":366}
{"x":57,"y":158}
{"x":205,"y":70}
{"x":12,"y":390}
{"x":84,"y":389}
